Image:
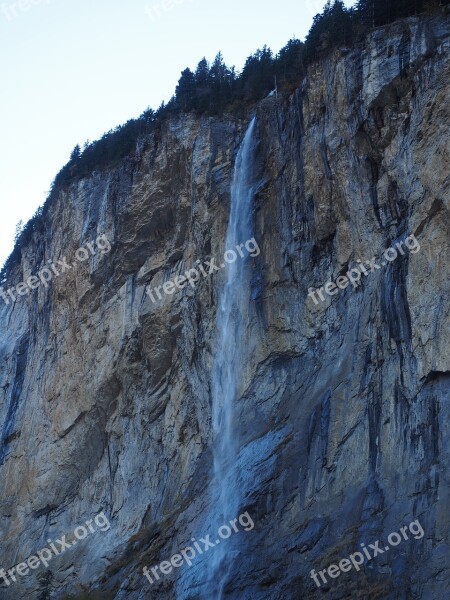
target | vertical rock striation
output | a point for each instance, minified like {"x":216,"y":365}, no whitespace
{"x":105,"y":396}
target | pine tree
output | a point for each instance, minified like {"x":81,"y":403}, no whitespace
{"x":185,"y":92}
{"x":385,"y":11}
{"x":289,"y":63}
{"x":221,"y":81}
{"x":332,"y":28}
{"x":147,"y":118}
{"x":76,"y":153}
{"x":202,"y":92}
{"x":365,"y":10}
{"x":202,"y":72}
{"x":258,"y":75}
{"x":339,"y":23}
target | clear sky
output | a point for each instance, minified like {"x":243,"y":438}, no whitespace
{"x":73,"y":69}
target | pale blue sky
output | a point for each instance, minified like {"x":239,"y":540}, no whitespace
{"x":73,"y":69}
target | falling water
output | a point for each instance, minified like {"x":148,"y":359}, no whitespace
{"x":232,"y":320}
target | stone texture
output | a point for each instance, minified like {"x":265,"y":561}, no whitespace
{"x":343,"y":415}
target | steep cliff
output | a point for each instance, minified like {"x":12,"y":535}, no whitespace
{"x":341,"y":422}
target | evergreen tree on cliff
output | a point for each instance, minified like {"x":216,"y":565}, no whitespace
{"x":185,"y":92}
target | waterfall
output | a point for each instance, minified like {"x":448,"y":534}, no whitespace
{"x":230,"y":353}
{"x":207,"y":576}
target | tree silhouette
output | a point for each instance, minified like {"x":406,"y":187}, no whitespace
{"x":76,"y":152}
{"x":185,"y":91}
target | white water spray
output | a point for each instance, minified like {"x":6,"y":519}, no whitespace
{"x":232,"y":320}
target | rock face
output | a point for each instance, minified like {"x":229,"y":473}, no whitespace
{"x":342,"y":421}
